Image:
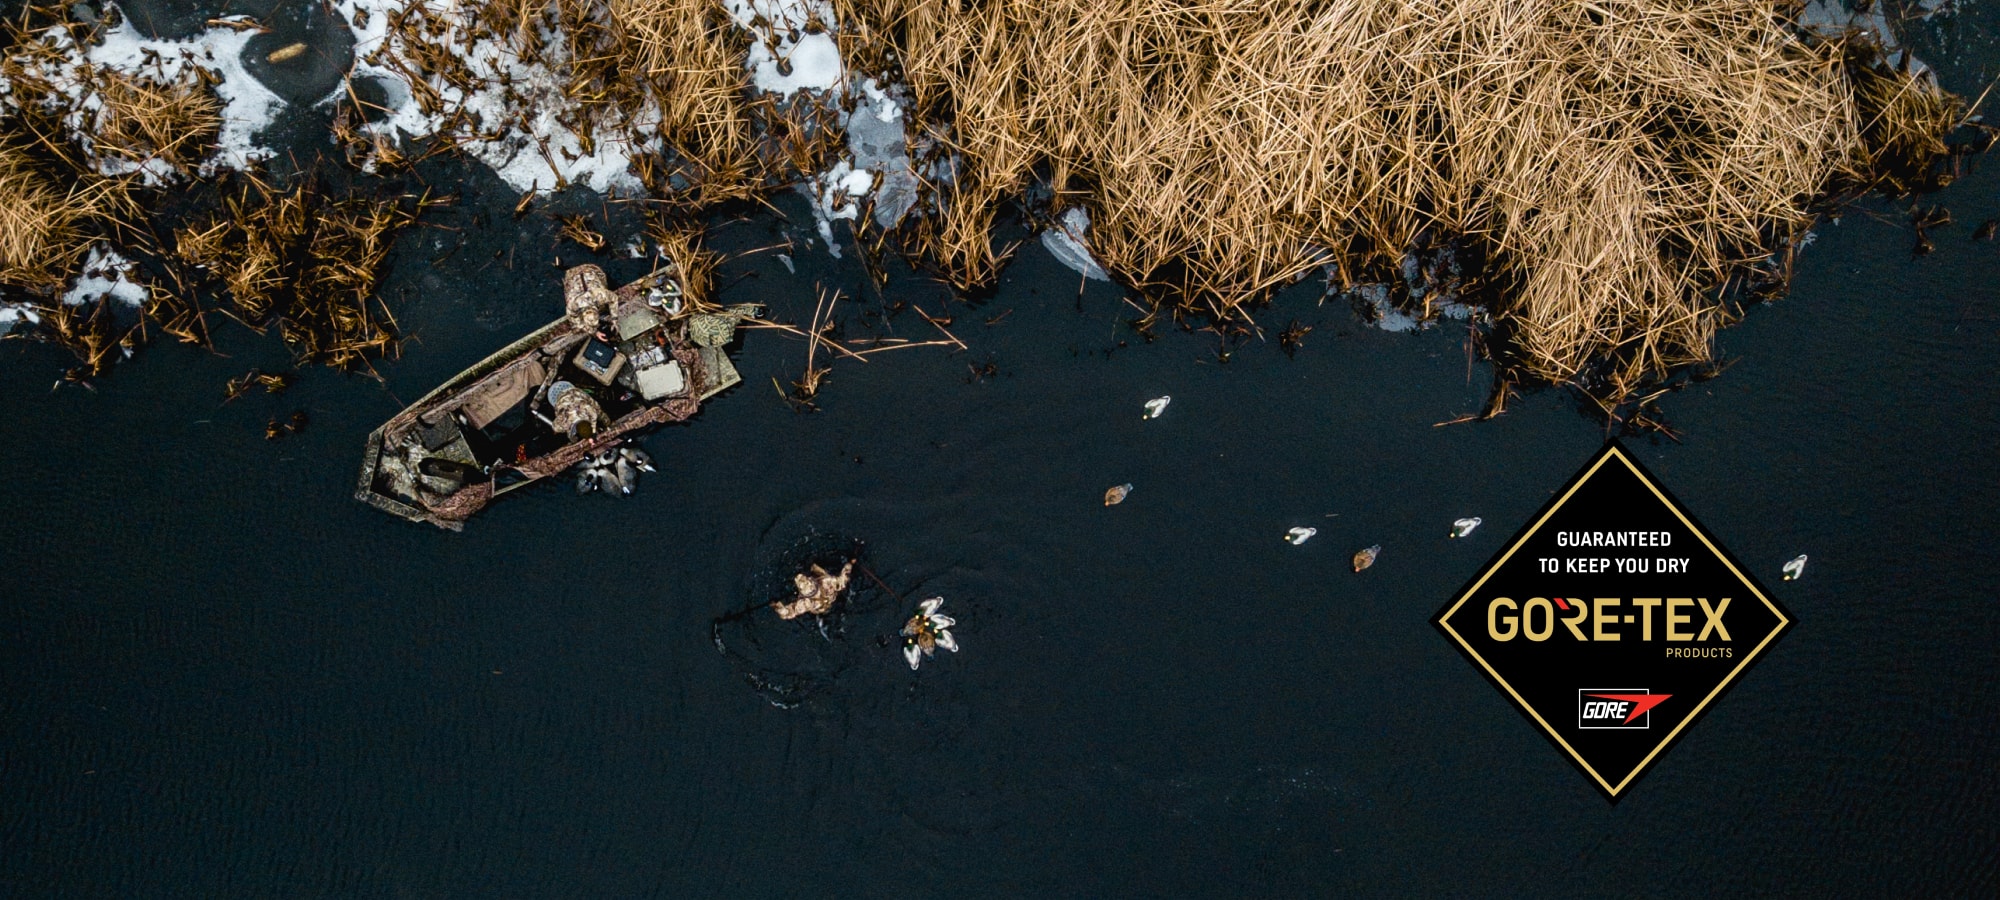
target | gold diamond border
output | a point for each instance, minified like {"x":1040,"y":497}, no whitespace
{"x":1611,"y":452}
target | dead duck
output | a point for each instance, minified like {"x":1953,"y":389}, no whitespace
{"x":626,"y":476}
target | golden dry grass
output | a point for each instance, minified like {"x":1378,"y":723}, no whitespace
{"x":46,"y":222}
{"x":680,"y":245}
{"x":114,"y":117}
{"x":690,"y":56}
{"x":1614,"y":164}
{"x":1617,"y":161}
{"x":141,"y":119}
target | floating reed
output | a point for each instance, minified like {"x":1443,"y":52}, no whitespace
{"x":302,"y":260}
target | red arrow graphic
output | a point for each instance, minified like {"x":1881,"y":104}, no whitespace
{"x":1640,"y":702}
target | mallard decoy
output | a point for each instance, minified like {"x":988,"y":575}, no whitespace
{"x":1156,"y":406}
{"x":1299,"y":536}
{"x":637,"y":458}
{"x":926,"y":631}
{"x":1795,"y":568}
{"x":1462,"y":527}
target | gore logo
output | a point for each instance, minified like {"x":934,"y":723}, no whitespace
{"x":1616,"y":708}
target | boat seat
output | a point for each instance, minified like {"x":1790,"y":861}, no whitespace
{"x":502,"y":391}
{"x":435,"y":435}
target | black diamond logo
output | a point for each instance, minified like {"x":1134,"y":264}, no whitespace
{"x":1613,"y":620}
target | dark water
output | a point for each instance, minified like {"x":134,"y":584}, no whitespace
{"x":220,"y":676}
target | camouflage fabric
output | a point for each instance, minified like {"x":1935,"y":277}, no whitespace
{"x":575,"y":407}
{"x":716,"y":329}
{"x":711,"y":331}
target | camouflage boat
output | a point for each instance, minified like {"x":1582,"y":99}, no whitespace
{"x":619,"y":361}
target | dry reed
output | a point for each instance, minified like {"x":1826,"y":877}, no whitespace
{"x":1615,"y":163}
{"x":46,"y":221}
{"x":679,"y":245}
{"x":690,"y":55}
{"x":142,"y":120}
{"x":302,"y":260}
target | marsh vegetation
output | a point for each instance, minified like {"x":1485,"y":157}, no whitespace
{"x":1614,"y":179}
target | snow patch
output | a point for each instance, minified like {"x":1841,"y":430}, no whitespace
{"x":511,"y":118}
{"x":1065,"y":241}
{"x":248,"y":106}
{"x":12,"y":314}
{"x":877,"y":163}
{"x":106,"y":273}
{"x":793,"y":48}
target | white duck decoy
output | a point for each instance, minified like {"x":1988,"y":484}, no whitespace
{"x":1463,"y":527}
{"x":1156,"y":406}
{"x":926,"y":631}
{"x":1299,"y":536}
{"x":1795,"y":568}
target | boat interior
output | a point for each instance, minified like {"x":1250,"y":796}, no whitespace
{"x":506,"y":416}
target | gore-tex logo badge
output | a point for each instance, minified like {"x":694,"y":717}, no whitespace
{"x":1613,"y":620}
